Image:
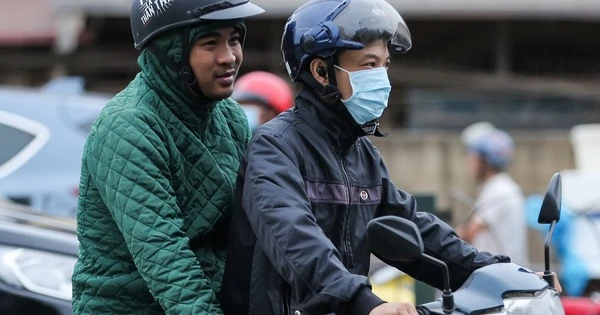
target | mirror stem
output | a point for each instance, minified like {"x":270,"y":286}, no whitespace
{"x":447,"y":296}
{"x":547,"y":273}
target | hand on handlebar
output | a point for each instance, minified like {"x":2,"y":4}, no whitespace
{"x":422,"y":311}
{"x":394,"y":309}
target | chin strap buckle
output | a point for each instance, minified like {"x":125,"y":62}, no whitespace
{"x":372,"y":129}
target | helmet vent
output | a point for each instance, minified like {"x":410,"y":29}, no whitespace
{"x":199,"y":12}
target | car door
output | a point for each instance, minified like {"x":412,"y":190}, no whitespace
{"x":46,"y":133}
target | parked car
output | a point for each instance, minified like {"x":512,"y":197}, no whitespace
{"x":42,"y":134}
{"x":37,"y":256}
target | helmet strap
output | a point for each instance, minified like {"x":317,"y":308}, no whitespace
{"x":185,"y":72}
{"x":330,"y":61}
{"x":328,"y":93}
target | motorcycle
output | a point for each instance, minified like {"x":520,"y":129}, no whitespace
{"x":504,"y":288}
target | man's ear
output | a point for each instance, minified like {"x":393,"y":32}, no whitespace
{"x":318,"y":69}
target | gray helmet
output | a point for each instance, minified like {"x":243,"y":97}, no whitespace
{"x":152,"y":17}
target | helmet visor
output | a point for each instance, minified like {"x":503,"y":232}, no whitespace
{"x":365,"y":21}
{"x":231,"y":9}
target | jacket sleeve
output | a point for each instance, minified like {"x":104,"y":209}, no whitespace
{"x":128,"y":162}
{"x":278,"y":209}
{"x":440,"y":241}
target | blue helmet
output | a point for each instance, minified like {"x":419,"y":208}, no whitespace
{"x":495,"y":147}
{"x":320,"y":27}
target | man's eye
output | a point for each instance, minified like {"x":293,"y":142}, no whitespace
{"x":209,"y":43}
{"x":235,"y":39}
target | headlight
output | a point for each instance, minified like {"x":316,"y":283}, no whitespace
{"x":37,"y":271}
{"x":545,"y":303}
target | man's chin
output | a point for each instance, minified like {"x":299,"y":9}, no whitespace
{"x":221,"y":94}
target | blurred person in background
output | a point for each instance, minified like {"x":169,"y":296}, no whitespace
{"x":263,"y":95}
{"x":159,"y":166}
{"x":497,"y":222}
{"x":311,"y":181}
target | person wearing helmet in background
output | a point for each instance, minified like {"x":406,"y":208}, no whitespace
{"x":497,"y":223}
{"x":263,"y":96}
{"x":159,"y":166}
{"x":311,"y":181}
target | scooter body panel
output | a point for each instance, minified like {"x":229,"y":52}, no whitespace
{"x":485,"y":289}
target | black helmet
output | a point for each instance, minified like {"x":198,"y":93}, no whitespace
{"x":152,"y":17}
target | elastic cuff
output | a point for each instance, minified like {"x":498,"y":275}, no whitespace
{"x":363,"y":302}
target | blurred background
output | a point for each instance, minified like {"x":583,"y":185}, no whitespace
{"x":530,"y":67}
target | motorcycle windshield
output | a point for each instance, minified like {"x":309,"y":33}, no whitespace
{"x":486,"y":287}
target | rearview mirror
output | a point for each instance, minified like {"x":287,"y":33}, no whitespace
{"x":550,"y":214}
{"x":395,"y":238}
{"x":550,"y":210}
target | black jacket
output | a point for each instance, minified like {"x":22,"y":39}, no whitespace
{"x":307,"y":188}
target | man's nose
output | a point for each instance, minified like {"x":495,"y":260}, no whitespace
{"x":226,"y":55}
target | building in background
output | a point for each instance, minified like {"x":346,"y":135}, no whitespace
{"x":526,"y":63}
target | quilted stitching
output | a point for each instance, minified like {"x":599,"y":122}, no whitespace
{"x":134,"y":234}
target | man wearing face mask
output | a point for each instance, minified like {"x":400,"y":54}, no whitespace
{"x":263,"y":95}
{"x":311,"y":181}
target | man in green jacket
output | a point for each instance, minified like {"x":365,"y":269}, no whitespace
{"x":159,"y":166}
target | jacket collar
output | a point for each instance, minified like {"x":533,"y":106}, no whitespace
{"x":331,"y":121}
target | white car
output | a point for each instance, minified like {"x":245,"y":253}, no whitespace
{"x":42,"y":134}
{"x":37,"y":256}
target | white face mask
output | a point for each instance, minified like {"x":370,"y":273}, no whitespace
{"x":370,"y":93}
{"x":253,"y":115}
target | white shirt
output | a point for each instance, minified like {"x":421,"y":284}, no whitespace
{"x":501,"y":206}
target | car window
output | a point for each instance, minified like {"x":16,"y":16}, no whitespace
{"x":20,"y":139}
{"x":13,"y":141}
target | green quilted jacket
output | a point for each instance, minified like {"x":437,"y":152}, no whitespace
{"x":156,"y":193}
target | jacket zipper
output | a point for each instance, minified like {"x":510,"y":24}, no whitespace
{"x":205,"y":119}
{"x":346,"y":243}
{"x":286,"y":296}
